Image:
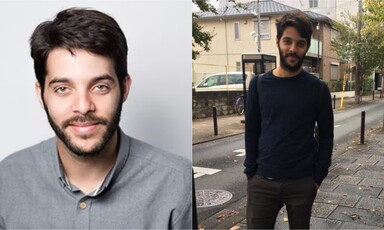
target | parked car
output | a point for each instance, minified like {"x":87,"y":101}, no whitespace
{"x":231,"y":81}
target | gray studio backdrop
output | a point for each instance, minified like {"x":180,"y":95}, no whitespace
{"x":158,"y":109}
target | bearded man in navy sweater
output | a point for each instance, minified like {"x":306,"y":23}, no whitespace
{"x":284,"y":163}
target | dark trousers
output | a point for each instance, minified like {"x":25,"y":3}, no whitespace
{"x":266,"y":198}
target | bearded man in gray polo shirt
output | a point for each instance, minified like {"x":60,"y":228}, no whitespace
{"x":91,"y":175}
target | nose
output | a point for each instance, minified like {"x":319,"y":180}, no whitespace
{"x":293,"y":48}
{"x":83,"y":103}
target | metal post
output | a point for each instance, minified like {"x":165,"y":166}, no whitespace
{"x":318,"y":48}
{"x":373,"y":95}
{"x":258,"y":28}
{"x":334,"y":101}
{"x":215,"y":121}
{"x":362,"y":131}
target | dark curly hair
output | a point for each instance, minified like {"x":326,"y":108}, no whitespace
{"x":297,"y":20}
{"x":79,"y":28}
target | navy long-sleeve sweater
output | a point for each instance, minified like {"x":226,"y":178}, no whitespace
{"x":279,"y":127}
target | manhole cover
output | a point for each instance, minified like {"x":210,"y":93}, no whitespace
{"x":211,"y":197}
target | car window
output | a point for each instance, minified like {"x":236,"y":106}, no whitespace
{"x":235,"y":79}
{"x":210,"y":81}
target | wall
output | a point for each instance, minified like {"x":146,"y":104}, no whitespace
{"x":158,"y":108}
{"x":202,"y":103}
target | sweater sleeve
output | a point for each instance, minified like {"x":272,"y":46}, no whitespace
{"x":325,"y":124}
{"x":252,"y":129}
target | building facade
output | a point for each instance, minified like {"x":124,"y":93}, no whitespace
{"x":236,"y":32}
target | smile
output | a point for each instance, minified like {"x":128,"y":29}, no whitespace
{"x":83,"y":128}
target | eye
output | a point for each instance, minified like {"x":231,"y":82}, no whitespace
{"x":301,"y":44}
{"x":61,"y":90}
{"x":101,"y":88}
{"x":287,"y":42}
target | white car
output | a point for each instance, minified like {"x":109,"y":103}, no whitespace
{"x":231,"y":81}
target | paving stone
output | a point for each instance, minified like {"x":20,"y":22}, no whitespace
{"x":358,"y":190}
{"x":373,"y":168}
{"x":365,"y":161}
{"x":322,"y":209}
{"x":328,"y":186}
{"x":320,"y":223}
{"x":343,"y":179}
{"x":343,"y":170}
{"x":347,"y":166}
{"x":380,"y":163}
{"x":372,"y":204}
{"x":343,"y":159}
{"x":363,"y":148}
{"x":337,"y":198}
{"x":377,"y":183}
{"x":369,"y":174}
{"x":280,"y":223}
{"x":357,"y":216}
{"x":377,"y":155}
{"x":351,"y":225}
{"x":330,"y":177}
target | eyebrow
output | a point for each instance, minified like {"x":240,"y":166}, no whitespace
{"x":289,"y":38}
{"x":94,"y":80}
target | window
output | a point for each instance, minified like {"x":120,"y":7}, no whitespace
{"x":313,"y":3}
{"x":235,"y":79}
{"x":238,"y":66}
{"x":237,"y":30}
{"x":334,"y":72}
{"x":264,"y":28}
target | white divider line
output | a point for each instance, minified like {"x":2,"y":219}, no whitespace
{"x":241,"y":152}
{"x":201,"y":171}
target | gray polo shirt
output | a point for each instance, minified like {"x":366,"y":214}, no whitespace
{"x":147,"y":188}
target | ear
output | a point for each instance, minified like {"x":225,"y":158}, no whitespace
{"x":277,"y":41}
{"x":38,"y":91}
{"x":127,"y":86}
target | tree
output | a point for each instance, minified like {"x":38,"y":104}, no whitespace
{"x":374,"y":18}
{"x":361,"y":50}
{"x":200,"y":37}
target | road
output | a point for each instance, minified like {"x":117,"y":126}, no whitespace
{"x":220,"y":162}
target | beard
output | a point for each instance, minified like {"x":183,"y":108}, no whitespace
{"x":98,"y":147}
{"x":284,"y":63}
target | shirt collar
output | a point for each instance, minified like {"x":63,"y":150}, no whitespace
{"x":122,"y":156}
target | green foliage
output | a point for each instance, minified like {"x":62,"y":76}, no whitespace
{"x":368,"y":84}
{"x":348,"y":48}
{"x":199,"y":36}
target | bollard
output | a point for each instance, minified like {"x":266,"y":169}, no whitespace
{"x":334,"y":101}
{"x":373,"y":95}
{"x":215,"y":121}
{"x":362,"y":131}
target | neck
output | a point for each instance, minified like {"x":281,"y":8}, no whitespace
{"x":88,"y":173}
{"x":281,"y":72}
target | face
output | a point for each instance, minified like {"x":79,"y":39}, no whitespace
{"x":82,"y":99}
{"x":292,"y":49}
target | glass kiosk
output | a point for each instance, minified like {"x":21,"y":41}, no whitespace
{"x":253,"y":64}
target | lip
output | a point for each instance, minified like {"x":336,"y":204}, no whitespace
{"x":292,"y":58}
{"x":83,"y":128}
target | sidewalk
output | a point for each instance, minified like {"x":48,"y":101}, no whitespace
{"x":351,"y":197}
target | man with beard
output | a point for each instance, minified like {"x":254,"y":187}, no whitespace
{"x":91,"y":175}
{"x":284,"y":163}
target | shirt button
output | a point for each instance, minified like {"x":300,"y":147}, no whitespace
{"x":83,"y":205}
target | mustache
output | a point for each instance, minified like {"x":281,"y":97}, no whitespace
{"x":292,"y":55}
{"x":90,"y":118}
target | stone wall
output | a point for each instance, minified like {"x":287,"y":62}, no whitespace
{"x":203,"y":102}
